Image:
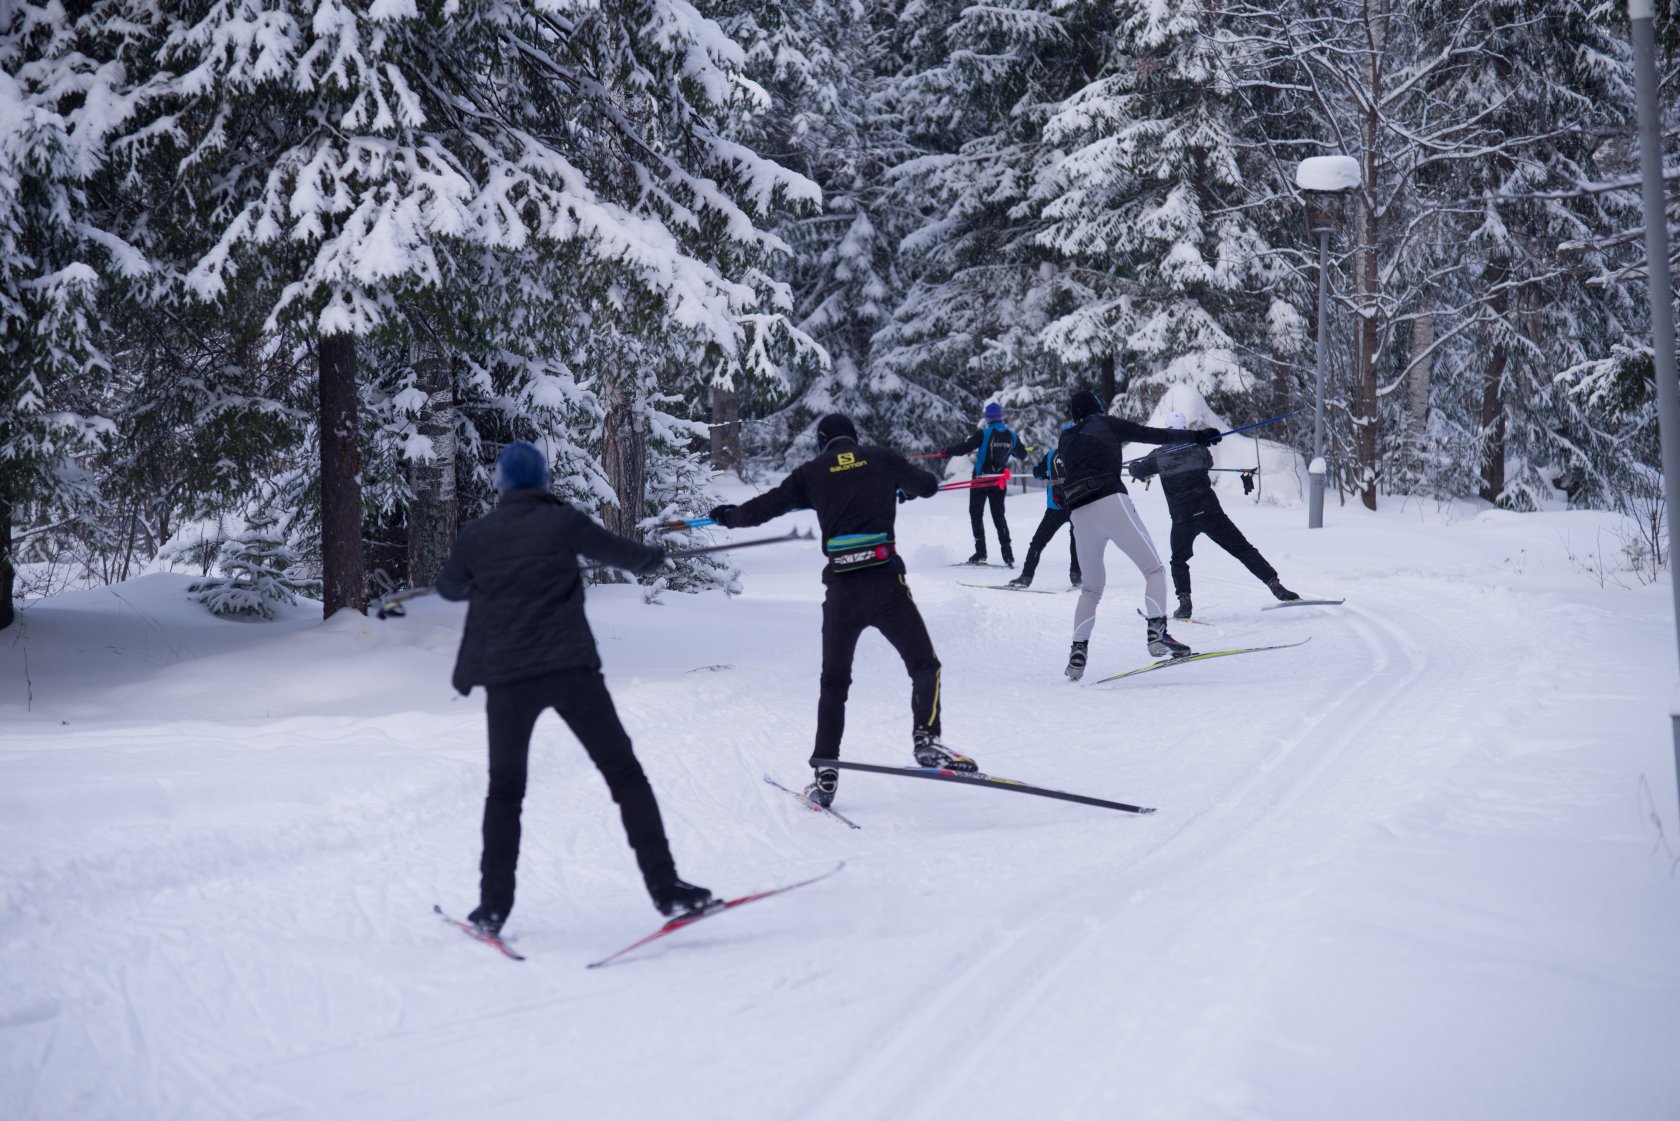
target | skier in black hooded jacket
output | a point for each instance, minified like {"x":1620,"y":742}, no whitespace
{"x":528,"y":643}
{"x":855,"y":490}
{"x":1195,"y":510}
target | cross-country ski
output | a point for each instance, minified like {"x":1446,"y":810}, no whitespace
{"x":994,"y":782}
{"x":815,"y":807}
{"x":715,"y":907}
{"x":477,"y":934}
{"x":1203,"y":656}
{"x":1303,"y":603}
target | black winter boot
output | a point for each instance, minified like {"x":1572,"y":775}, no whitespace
{"x":675,"y":898}
{"x":1280,"y":591}
{"x":979,"y":556}
{"x":487,"y":922}
{"x":1162,"y":644}
{"x":822,"y":790}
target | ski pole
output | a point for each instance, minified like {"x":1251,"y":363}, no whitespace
{"x":928,"y":455}
{"x":1222,"y":435}
{"x":1000,"y":481}
{"x":392,"y":605}
{"x":677,"y":554}
{"x":688,"y":523}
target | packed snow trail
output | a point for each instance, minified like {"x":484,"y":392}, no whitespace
{"x":1411,"y":869}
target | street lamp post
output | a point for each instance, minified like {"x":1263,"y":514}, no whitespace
{"x":1322,"y":179}
{"x":1642,"y":14}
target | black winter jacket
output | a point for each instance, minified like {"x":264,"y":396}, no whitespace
{"x":517,"y":567}
{"x":853,"y":489}
{"x":1092,"y":453}
{"x":1184,"y":478}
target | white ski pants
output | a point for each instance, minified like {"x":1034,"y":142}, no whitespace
{"x":1097,"y":523}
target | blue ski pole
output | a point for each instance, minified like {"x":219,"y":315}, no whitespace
{"x":1222,"y":435}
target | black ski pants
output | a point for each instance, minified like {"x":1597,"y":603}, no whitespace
{"x":1213,"y":521}
{"x":580,"y":697}
{"x":1054,"y":519}
{"x":978,"y":499}
{"x":879,"y":598}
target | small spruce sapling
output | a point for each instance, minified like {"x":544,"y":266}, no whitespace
{"x":254,"y":564}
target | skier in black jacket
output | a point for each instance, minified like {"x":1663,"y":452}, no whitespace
{"x":1195,"y":509}
{"x":1055,"y":517}
{"x":528,"y":643}
{"x":991,"y":444}
{"x":1091,"y":452}
{"x":855,"y":491}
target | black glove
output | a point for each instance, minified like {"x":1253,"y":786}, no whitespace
{"x":1207,"y":437}
{"x":1248,"y":482}
{"x":903,"y":498}
{"x":1137,"y":472}
{"x":653,"y":564}
{"x":720,"y":514}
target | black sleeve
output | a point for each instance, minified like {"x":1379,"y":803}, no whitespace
{"x":789,"y":494}
{"x":601,"y":544}
{"x":972,"y":444}
{"x":1019,"y":451}
{"x":1143,"y":434}
{"x":1041,"y":469}
{"x":455,"y":581}
{"x":912,"y":480}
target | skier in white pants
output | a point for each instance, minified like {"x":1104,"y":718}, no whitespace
{"x":1092,"y":452}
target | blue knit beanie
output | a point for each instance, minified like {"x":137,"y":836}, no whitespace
{"x":994,"y":411}
{"x":520,"y":465}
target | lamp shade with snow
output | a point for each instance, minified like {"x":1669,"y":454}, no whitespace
{"x":1328,"y":173}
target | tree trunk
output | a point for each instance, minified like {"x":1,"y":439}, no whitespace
{"x":1107,"y":386}
{"x":624,"y":458}
{"x":726,"y":430}
{"x":1493,"y":378}
{"x":1366,"y":281}
{"x":1418,"y":377}
{"x":8,"y":571}
{"x":343,"y":570}
{"x":431,"y":512}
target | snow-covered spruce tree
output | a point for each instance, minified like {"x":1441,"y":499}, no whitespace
{"x":979,"y":290}
{"x":827,"y":68}
{"x":1147,"y":200}
{"x":57,"y":105}
{"x":360,"y":158}
{"x":254,"y":573}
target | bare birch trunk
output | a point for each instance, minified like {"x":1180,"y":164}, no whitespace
{"x":624,"y":457}
{"x":726,"y":430}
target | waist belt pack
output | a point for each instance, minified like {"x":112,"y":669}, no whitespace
{"x":1074,"y":493}
{"x":852,"y":551}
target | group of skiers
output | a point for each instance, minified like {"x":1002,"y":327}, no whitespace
{"x":527,"y":641}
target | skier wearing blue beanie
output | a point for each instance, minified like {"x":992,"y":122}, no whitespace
{"x":527,"y":641}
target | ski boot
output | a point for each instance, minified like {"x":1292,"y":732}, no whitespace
{"x":1022,"y":581}
{"x":1162,"y":644}
{"x":931,"y":753}
{"x":1280,"y":591}
{"x":979,"y":557}
{"x":1008,"y":557}
{"x":487,"y":922}
{"x":1076,"y":660}
{"x":675,"y":899}
{"x":1183,"y":611}
{"x":821,"y":791}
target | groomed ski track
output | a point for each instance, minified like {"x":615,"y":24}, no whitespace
{"x":1404,"y":871}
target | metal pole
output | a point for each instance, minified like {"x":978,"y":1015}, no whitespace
{"x":1315,"y":469}
{"x":1662,"y":300}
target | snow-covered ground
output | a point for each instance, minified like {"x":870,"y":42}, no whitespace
{"x":1423,"y":867}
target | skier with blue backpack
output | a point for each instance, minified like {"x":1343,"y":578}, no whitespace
{"x":991,"y":445}
{"x":1056,"y":515}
